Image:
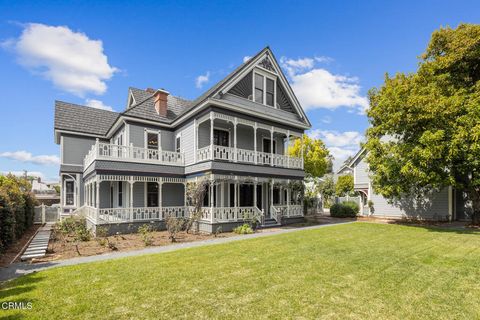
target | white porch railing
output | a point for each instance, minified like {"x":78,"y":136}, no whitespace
{"x":220,"y":214}
{"x":132,"y":154}
{"x":248,"y":156}
{"x":223,"y":153}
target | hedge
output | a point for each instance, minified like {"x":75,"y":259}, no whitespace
{"x":347,"y":209}
{"x":16,"y":209}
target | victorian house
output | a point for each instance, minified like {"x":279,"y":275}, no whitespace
{"x":133,"y":167}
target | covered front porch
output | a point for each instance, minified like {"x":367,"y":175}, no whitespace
{"x":130,"y":199}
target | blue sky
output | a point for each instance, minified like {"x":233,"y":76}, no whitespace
{"x":333,"y":52}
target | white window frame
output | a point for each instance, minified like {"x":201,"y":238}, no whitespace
{"x":230,"y":142}
{"x":159,"y":146}
{"x":74,"y":205}
{"x":265,"y":75}
{"x":178,"y":148}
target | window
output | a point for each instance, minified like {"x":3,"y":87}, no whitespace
{"x":220,"y":138}
{"x":258,"y":88}
{"x":111,"y":196}
{"x":152,"y":141}
{"x":178,"y":144}
{"x":270,"y":92}
{"x":120,"y":193}
{"x":276,"y":196}
{"x":264,"y":90}
{"x":69,"y":193}
{"x":266,"y":146}
{"x":152,"y":194}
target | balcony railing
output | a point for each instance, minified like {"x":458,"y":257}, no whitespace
{"x":248,"y":156}
{"x":105,"y":151}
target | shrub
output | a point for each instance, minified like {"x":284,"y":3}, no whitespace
{"x":348,"y":209}
{"x":16,"y":209}
{"x":103,"y":239}
{"x":174,"y":226}
{"x":146,"y":233}
{"x":243,"y":229}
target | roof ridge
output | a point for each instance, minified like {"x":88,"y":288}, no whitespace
{"x":84,"y":106}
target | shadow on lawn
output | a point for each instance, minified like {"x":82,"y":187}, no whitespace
{"x":448,"y":227}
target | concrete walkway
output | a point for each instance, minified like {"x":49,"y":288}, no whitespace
{"x":18,"y":269}
{"x":38,"y":247}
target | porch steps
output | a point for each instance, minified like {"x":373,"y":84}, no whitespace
{"x":37,"y":248}
{"x":270,"y":223}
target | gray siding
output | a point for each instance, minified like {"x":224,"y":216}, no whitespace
{"x":105,"y":194}
{"x":137,"y":135}
{"x":204,"y":134}
{"x":361,"y":172}
{"x":168,"y":140}
{"x":245,"y":137}
{"x":139,"y":194}
{"x":172,"y":194}
{"x":431,"y":207}
{"x":187,"y":141}
{"x":76,"y":148}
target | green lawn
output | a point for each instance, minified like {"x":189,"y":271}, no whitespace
{"x":355,"y":271}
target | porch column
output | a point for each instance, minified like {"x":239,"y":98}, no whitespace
{"x":160,"y":196}
{"x":271,"y":192}
{"x":211,"y":135}
{"x":302,"y":151}
{"x":255,"y":194}
{"x":288,"y":197}
{"x":235,"y":140}
{"x":286,"y":149}
{"x":195,"y":142}
{"x":271,"y":147}
{"x":211,"y":201}
{"x":97,"y":194}
{"x":235,"y":198}
{"x":255,"y":141}
{"x":131,"y":182}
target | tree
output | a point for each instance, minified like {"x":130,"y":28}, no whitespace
{"x":425,"y":126}
{"x":327,"y":189}
{"x":315,"y":155}
{"x":196,"y":192}
{"x":344,"y":185}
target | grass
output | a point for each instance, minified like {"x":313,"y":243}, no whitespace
{"x":360,"y":270}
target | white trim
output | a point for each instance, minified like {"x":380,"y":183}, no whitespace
{"x":145,"y":140}
{"x":265,"y":76}
{"x":61,"y":149}
{"x":178,"y":135}
{"x":64,"y":197}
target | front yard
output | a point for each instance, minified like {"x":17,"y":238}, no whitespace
{"x":360,"y":270}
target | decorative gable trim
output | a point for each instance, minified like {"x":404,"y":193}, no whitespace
{"x":265,"y":59}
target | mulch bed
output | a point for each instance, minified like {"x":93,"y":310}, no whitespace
{"x":16,"y":247}
{"x":60,"y":250}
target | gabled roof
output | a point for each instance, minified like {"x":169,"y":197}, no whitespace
{"x":144,"y":106}
{"x":93,"y":121}
{"x":77,"y":118}
{"x":356,"y":157}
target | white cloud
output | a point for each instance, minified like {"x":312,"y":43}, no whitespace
{"x":71,"y":60}
{"x":326,"y":119}
{"x":246,"y":58}
{"x":24,"y":156}
{"x":202,"y":79}
{"x":340,"y":144}
{"x":97,"y":104}
{"x":318,"y":88}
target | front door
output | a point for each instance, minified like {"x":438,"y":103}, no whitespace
{"x":259,"y":197}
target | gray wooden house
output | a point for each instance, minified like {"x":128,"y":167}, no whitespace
{"x":132,"y":167}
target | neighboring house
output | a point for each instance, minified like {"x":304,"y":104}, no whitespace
{"x":132,"y":167}
{"x":447,"y":204}
{"x":44,"y":193}
{"x":344,"y":170}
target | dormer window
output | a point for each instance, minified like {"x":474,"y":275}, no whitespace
{"x":264,"y":89}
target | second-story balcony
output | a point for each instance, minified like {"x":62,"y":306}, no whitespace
{"x":107,"y":151}
{"x":232,"y":139}
{"x":248,"y":156}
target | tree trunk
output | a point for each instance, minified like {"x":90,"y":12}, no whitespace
{"x":475,"y":197}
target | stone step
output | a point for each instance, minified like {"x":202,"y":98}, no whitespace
{"x":31,"y":256}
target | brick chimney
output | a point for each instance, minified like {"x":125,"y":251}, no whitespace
{"x":160,"y":98}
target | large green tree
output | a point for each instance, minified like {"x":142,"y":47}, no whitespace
{"x":344,"y":185}
{"x":316,"y":158}
{"x":425,"y":126}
